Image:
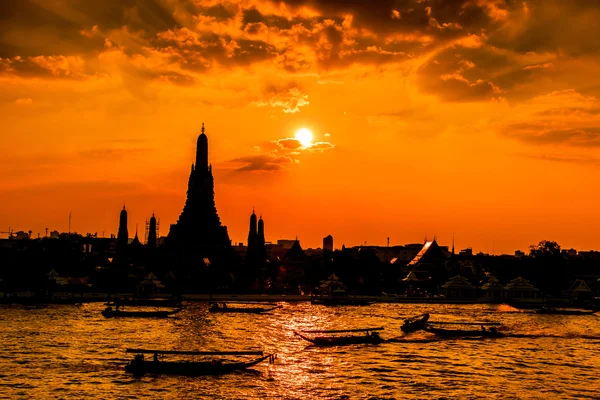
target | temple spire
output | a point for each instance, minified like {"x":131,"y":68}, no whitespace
{"x":202,"y":150}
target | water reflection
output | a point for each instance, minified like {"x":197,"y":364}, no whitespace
{"x":73,"y":352}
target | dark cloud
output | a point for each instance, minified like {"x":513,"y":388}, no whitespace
{"x":539,"y":134}
{"x":564,"y":159}
{"x":261,"y":162}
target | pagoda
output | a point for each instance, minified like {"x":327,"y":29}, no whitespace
{"x":198,"y":230}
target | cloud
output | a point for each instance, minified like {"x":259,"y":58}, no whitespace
{"x":289,"y":144}
{"x":558,"y":118}
{"x":24,"y":102}
{"x":591,"y":161}
{"x":289,"y":100}
{"x":262,"y":162}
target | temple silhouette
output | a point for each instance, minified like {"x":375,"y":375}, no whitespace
{"x":198,"y":231}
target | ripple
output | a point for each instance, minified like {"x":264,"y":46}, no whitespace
{"x":83,"y":355}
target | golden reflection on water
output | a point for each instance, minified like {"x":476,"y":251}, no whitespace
{"x":73,"y":352}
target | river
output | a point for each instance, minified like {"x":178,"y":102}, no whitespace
{"x":72,"y":352}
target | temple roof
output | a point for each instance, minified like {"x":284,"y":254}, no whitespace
{"x":430,"y":249}
{"x":521,"y":284}
{"x":458,"y":282}
{"x":493,"y":285}
{"x":295,"y":252}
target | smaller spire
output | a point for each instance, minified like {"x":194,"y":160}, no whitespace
{"x":123,"y":206}
{"x":203,"y":127}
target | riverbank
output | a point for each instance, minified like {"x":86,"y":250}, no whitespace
{"x":71,"y":298}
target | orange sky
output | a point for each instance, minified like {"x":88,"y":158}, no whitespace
{"x":474,"y":117}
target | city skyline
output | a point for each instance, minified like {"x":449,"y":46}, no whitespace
{"x":478,"y":118}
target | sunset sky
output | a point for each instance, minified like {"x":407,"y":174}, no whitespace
{"x":474,"y":117}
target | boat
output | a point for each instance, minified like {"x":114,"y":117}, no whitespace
{"x":142,"y":301}
{"x":557,"y":311}
{"x":110,"y":313}
{"x":212,"y":366}
{"x":340,"y":301}
{"x":371,"y":336}
{"x":415,"y":323}
{"x":224,"y":308}
{"x":491,"y":332}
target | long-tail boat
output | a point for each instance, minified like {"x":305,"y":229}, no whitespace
{"x":558,"y":311}
{"x":209,"y":366}
{"x":415,"y":323}
{"x":223,"y":307}
{"x":109,"y":312}
{"x":490,"y":332}
{"x":143,"y":301}
{"x":370,"y":336}
{"x":340,"y":300}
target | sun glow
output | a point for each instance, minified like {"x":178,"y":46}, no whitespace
{"x":304,"y":136}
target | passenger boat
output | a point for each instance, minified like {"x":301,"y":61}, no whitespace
{"x":224,"y":308}
{"x":491,"y":332}
{"x":370,"y":336}
{"x":415,"y":323}
{"x":213,"y":366}
{"x":550,"y":310}
{"x":110,"y":313}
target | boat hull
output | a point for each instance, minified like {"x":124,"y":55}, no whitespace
{"x":138,"y":314}
{"x":412,"y":324}
{"x":255,"y":310}
{"x":463,"y":332}
{"x":188,"y":368}
{"x":563,"y":312}
{"x":341,"y":301}
{"x":341,"y":341}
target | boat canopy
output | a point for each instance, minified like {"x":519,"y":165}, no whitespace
{"x":344,"y":330}
{"x":196,"y":353}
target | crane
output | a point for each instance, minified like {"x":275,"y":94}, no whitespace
{"x":10,"y":233}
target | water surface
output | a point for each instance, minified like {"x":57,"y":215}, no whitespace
{"x":73,"y":352}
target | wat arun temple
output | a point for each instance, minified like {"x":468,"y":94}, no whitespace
{"x":198,"y":232}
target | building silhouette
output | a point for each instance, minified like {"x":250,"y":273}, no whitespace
{"x":123,"y":234}
{"x":152,"y":233}
{"x":256,"y":252}
{"x":198,"y":230}
{"x":328,"y":243}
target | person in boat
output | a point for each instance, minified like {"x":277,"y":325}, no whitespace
{"x":375,"y":335}
{"x":482,"y":328}
{"x":155,"y":357}
{"x":224,"y":305}
{"x":493,"y":330}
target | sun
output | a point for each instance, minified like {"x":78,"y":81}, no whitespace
{"x":304,"y":136}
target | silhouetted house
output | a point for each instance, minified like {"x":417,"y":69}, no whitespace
{"x":332,"y":286}
{"x":149,"y":286}
{"x":493,"y":289}
{"x":198,"y":232}
{"x":580,"y":290}
{"x":459,"y":286}
{"x":520,"y":288}
{"x":291,"y":268}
